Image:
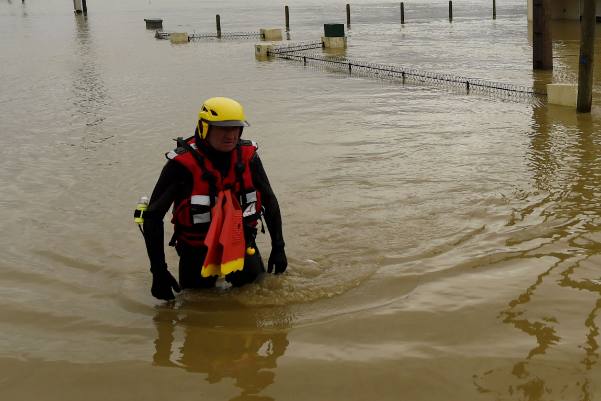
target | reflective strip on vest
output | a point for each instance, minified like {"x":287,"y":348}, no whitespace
{"x":251,"y":201}
{"x":201,"y":218}
{"x":250,"y":197}
{"x":201,"y":200}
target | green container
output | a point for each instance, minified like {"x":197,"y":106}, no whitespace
{"x":333,"y":30}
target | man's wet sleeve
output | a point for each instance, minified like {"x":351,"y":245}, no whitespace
{"x":169,"y":184}
{"x":273,"y":217}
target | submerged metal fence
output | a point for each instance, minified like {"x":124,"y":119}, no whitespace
{"x":200,"y":37}
{"x":296,"y":47}
{"x":402,"y":73}
{"x":162,"y":34}
{"x":293,"y":51}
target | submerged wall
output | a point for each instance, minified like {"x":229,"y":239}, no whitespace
{"x":564,"y":9}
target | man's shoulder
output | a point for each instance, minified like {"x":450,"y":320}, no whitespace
{"x":248,"y":142}
{"x":180,"y":150}
{"x":176,"y":152}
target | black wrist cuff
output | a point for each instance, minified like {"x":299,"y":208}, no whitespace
{"x":158,"y":269}
{"x":279,"y":246}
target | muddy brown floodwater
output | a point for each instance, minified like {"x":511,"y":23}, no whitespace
{"x":442,"y":245}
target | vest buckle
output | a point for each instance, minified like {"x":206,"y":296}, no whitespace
{"x":239,"y":167}
{"x":208,"y":176}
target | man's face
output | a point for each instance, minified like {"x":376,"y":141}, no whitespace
{"x":223,"y":139}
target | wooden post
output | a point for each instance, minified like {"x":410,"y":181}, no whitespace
{"x":450,"y":10}
{"x":218,"y":21}
{"x":348,"y":14}
{"x":83,"y":3}
{"x":542,"y":44}
{"x":494,"y":9}
{"x":587,"y":52}
{"x":402,"y":13}
{"x":287,"y":19}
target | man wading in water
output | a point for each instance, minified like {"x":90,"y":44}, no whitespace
{"x":219,"y":189}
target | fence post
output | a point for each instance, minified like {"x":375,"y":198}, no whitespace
{"x":402,"y":13}
{"x":218,"y":22}
{"x":287,"y":18}
{"x":83,"y":5}
{"x":494,"y":9}
{"x":450,"y":10}
{"x":348,"y":14}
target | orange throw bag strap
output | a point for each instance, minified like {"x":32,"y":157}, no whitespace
{"x":232,"y":236}
{"x":212,"y":263}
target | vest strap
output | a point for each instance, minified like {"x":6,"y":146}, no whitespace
{"x":207,"y":176}
{"x":240,"y":168}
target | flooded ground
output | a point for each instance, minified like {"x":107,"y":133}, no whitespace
{"x":442,"y":245}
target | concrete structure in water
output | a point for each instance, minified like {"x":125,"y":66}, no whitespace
{"x":264,"y":50}
{"x":337,"y":42}
{"x":562,"y":94}
{"x":271,"y":34}
{"x":333,"y":36}
{"x":179,"y":37}
{"x":564,"y":9}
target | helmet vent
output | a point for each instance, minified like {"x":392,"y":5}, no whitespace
{"x":213,"y":113}
{"x":204,"y":108}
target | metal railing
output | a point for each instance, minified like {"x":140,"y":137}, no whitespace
{"x":402,"y":73}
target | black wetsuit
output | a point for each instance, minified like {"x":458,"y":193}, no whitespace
{"x":174,"y":185}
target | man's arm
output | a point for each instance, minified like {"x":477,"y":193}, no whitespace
{"x":170,"y":184}
{"x":272,"y":215}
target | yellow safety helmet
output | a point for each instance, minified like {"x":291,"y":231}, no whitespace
{"x":221,"y":112}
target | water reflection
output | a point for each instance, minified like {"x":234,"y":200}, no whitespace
{"x":88,"y":86}
{"x":247,"y":356}
{"x":565,"y":160}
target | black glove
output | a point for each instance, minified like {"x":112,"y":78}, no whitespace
{"x":277,"y":258}
{"x":162,"y":283}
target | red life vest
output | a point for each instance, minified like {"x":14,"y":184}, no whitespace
{"x":192,"y":217}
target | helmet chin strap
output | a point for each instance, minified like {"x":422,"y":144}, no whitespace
{"x":198,"y":134}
